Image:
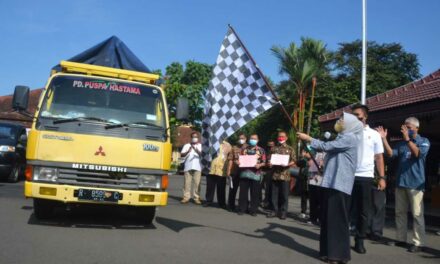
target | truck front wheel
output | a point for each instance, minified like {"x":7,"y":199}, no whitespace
{"x":43,"y":209}
{"x":146,"y":214}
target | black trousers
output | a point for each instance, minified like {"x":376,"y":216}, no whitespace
{"x":280,"y":196}
{"x":334,"y":239}
{"x":361,"y":199}
{"x":253,"y":186}
{"x":213,"y":181}
{"x":378,"y":211}
{"x":303,"y":190}
{"x":315,"y":202}
{"x":266,"y":184}
{"x":233,"y":191}
{"x":304,"y":198}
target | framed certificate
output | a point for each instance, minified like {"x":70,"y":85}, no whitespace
{"x":279,"y":160}
{"x":247,"y":161}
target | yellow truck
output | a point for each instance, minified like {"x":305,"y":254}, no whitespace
{"x":100,"y":135}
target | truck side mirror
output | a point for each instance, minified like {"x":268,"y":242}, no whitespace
{"x":20,"y":100}
{"x":182,"y":109}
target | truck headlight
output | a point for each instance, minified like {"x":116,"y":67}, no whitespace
{"x":46,"y":174}
{"x":149,"y":181}
{"x":5,"y":148}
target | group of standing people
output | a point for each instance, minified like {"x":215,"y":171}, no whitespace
{"x":226,"y":169}
{"x":354,"y":181}
{"x":350,"y":189}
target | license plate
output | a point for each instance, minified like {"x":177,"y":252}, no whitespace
{"x":98,"y":195}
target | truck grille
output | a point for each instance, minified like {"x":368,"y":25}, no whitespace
{"x":98,"y":179}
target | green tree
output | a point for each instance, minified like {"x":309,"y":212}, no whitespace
{"x":301,"y":64}
{"x":189,"y":82}
{"x":388,"y":66}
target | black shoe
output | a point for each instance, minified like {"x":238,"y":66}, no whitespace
{"x":253,"y":214}
{"x":222,"y":206}
{"x":207,"y":204}
{"x":283,"y":216}
{"x":359,"y":247}
{"x":271,"y":214}
{"x":415,"y":249}
{"x":240,"y":213}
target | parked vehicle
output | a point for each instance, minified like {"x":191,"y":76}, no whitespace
{"x":13,"y":141}
{"x":100,"y":134}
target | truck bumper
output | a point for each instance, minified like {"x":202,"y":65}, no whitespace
{"x":65,"y":194}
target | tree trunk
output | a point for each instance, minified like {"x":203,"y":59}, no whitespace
{"x":312,"y":99}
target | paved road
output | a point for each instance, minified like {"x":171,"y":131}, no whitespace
{"x":180,"y":234}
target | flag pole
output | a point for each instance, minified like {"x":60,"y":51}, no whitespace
{"x":274,"y":95}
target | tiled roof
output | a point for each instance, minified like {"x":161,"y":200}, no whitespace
{"x":427,"y":88}
{"x":6,"y":112}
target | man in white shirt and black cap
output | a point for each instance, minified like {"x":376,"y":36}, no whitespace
{"x":370,"y":153}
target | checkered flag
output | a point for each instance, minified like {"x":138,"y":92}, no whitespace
{"x":237,"y":93}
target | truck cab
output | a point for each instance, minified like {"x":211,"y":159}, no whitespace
{"x":100,"y":135}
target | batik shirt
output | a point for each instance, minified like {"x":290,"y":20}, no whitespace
{"x":282,"y":173}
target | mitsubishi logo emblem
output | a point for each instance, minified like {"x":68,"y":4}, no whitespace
{"x":100,"y":152}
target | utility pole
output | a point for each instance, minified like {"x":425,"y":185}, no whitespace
{"x":364,"y":52}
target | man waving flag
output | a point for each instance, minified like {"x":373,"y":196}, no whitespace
{"x":237,"y":93}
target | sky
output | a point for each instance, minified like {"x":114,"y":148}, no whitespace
{"x":36,"y":35}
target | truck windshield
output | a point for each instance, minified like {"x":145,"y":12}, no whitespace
{"x":101,"y":100}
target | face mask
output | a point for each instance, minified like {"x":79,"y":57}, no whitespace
{"x":339,"y":126}
{"x":281,"y":140}
{"x":241,"y":141}
{"x":253,"y":142}
{"x":410,"y":133}
{"x":194,"y":140}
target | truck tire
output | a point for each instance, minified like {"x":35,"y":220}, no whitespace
{"x":43,"y":209}
{"x":146,"y":214}
{"x":14,"y":176}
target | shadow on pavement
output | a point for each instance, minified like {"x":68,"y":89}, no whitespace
{"x":269,"y":233}
{"x":175,"y":225}
{"x":91,"y":217}
{"x":434,"y":253}
{"x":272,"y":235}
{"x":174,"y":197}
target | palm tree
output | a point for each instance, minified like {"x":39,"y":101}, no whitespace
{"x":302,"y":64}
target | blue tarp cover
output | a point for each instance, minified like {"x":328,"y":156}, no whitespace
{"x":110,"y":53}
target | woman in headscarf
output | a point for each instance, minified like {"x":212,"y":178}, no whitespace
{"x":338,"y":178}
